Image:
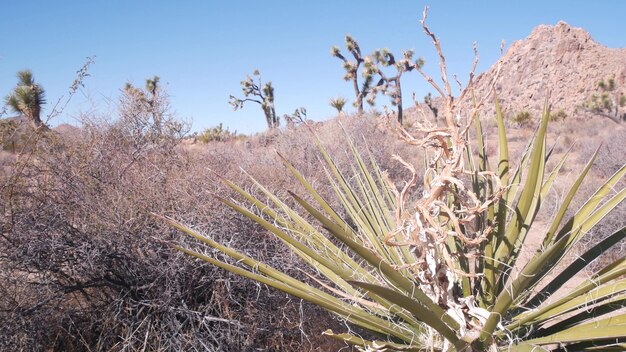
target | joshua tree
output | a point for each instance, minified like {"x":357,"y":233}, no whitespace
{"x":610,"y":103}
{"x":152,"y":84}
{"x":149,"y":100}
{"x":152,"y":89}
{"x":338,"y":103}
{"x":428,"y":100}
{"x":253,"y":92}
{"x":27,"y":98}
{"x":298,"y":117}
{"x":145,"y":114}
{"x":389,"y":85}
{"x":352,"y":69}
{"x":148,"y":95}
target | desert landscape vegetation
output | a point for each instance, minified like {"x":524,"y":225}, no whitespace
{"x":484,"y":218}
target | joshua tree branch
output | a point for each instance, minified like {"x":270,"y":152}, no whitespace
{"x":241,"y":101}
{"x":617,"y":118}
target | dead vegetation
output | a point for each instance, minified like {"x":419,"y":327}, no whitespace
{"x":80,"y":269}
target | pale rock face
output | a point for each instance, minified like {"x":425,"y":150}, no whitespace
{"x":559,"y":59}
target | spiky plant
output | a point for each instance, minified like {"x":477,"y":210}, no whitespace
{"x":338,"y":103}
{"x":443,"y":273}
{"x":27,"y":98}
{"x":256,"y":92}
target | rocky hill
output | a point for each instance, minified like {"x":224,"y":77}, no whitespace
{"x":560,"y":59}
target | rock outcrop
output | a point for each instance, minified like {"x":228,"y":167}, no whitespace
{"x":559,"y":59}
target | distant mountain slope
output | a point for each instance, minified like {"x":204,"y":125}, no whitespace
{"x":561,"y":59}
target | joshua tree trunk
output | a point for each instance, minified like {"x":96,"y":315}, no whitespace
{"x":273,"y":118}
{"x":359,"y":97}
{"x":35,"y":118}
{"x":399,"y":101}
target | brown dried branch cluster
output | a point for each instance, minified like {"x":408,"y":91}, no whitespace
{"x":431,"y":221}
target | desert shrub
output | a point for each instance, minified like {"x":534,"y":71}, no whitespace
{"x":146,"y":118}
{"x":522,"y":118}
{"x":74,"y":206}
{"x":81,"y":269}
{"x":560,"y":115}
{"x":609,"y":160}
{"x":7,"y":134}
{"x":217,"y":134}
{"x":18,"y":136}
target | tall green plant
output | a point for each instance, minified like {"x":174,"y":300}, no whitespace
{"x":27,"y":98}
{"x":437,"y":274}
{"x":338,"y":103}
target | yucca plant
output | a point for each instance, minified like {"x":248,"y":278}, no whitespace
{"x":443,"y":273}
{"x":338,"y":103}
{"x":27,"y":98}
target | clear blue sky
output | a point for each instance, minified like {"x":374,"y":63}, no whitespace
{"x":203,"y":49}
